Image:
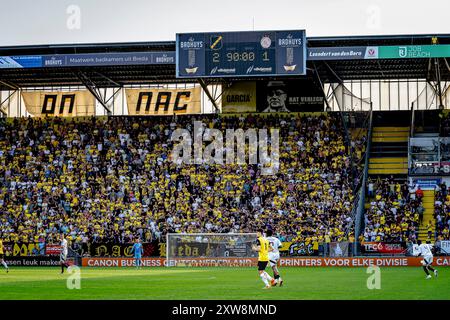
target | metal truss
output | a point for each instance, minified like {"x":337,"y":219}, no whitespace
{"x":341,"y":113}
{"x":208,"y":93}
{"x":100,"y":93}
{"x":3,"y":103}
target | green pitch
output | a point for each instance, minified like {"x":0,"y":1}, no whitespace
{"x":222,"y":283}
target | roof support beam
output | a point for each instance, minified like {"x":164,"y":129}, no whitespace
{"x":333,"y":72}
{"x":446,"y":64}
{"x":3,"y":109}
{"x":93,"y":88}
{"x":225,"y":88}
{"x":116,"y":91}
{"x":108,"y":79}
{"x":438,"y":80}
{"x":316,"y":73}
{"x":205,"y":88}
{"x":344,"y":123}
{"x":9,"y":85}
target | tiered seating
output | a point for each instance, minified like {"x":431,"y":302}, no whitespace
{"x":113,"y":180}
{"x":393,"y":212}
{"x":442,"y":212}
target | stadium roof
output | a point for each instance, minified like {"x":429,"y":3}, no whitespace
{"x":119,"y":75}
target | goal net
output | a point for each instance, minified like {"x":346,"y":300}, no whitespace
{"x":73,"y":257}
{"x":210,"y":249}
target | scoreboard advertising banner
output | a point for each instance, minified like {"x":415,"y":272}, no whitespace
{"x":273,"y":96}
{"x":235,"y":54}
{"x":88,"y":59}
{"x":231,"y":54}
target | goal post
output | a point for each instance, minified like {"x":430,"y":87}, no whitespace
{"x":210,"y":249}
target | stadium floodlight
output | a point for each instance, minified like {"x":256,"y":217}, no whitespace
{"x":210,"y":249}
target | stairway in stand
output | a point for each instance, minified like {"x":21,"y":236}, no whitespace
{"x":389,"y":151}
{"x":428,"y":215}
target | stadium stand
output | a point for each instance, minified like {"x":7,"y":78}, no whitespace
{"x":393,"y":214}
{"x":442,"y":212}
{"x":110,"y":180}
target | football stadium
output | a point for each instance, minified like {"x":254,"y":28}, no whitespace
{"x":222,"y":164}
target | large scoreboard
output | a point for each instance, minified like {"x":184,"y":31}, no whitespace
{"x":241,"y":54}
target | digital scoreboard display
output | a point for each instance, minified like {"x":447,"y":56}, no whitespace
{"x":240,"y":54}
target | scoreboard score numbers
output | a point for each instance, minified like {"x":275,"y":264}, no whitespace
{"x":241,"y":54}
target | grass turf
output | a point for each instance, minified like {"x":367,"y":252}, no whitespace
{"x":222,"y":283}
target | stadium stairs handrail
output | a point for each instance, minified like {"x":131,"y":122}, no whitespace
{"x":359,"y":189}
{"x":362,"y":192}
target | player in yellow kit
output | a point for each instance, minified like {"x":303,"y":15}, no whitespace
{"x":263,"y":247}
{"x":2,"y":255}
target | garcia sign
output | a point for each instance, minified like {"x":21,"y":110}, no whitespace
{"x":239,"y":97}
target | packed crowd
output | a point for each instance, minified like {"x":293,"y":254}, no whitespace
{"x":442,"y":211}
{"x":395,"y":211}
{"x":113,"y":179}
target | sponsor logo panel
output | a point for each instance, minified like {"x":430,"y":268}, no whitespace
{"x":239,"y":97}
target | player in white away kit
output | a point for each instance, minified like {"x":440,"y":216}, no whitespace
{"x":427,"y":254}
{"x":274,"y":256}
{"x":63,"y":253}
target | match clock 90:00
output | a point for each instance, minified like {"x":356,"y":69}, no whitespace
{"x":235,"y":56}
